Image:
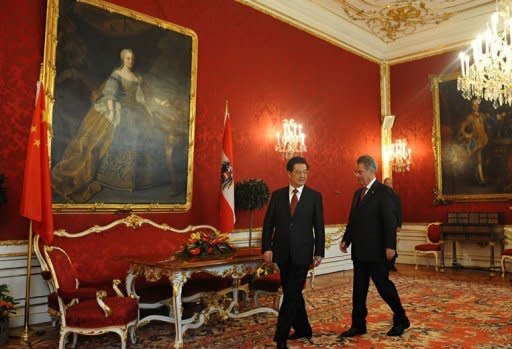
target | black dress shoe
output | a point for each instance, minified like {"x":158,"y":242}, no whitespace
{"x":352,"y":332}
{"x":398,"y":329}
{"x":296,"y":336}
{"x":282,"y":345}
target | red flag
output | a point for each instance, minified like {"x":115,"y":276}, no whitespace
{"x":36,"y":198}
{"x":227,"y":183}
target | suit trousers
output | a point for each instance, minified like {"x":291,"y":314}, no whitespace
{"x":293,"y":309}
{"x":379,"y":273}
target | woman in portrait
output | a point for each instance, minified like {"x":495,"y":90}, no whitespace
{"x":472,"y":132}
{"x":119,"y":144}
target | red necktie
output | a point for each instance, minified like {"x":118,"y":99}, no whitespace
{"x":293,"y":203}
{"x":363,"y":193}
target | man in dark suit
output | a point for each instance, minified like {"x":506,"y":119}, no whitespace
{"x":397,"y":211}
{"x":294,"y":237}
{"x":371,"y":232}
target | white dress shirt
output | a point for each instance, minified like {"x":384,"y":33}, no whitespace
{"x":290,"y":192}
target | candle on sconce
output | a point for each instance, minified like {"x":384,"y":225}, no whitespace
{"x":291,"y":140}
{"x":487,"y":41}
{"x":461,"y":57}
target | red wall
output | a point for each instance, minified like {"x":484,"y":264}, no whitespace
{"x":267,"y":69}
{"x":411,"y":103}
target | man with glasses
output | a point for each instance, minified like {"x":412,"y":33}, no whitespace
{"x":294,"y":237}
{"x":371,"y":232}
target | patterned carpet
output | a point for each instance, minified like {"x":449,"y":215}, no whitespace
{"x":444,"y":314}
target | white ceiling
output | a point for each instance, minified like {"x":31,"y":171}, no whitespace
{"x":384,"y":30}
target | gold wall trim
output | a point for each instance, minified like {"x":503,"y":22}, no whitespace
{"x":310,"y":30}
{"x":385,"y":89}
{"x":260,"y":229}
{"x":13,"y":254}
{"x":385,"y":109}
{"x":13,"y":242}
{"x":461,"y":45}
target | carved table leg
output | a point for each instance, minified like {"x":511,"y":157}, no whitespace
{"x":236,"y":287}
{"x":442,"y":255}
{"x":491,"y":246}
{"x":454,"y":253}
{"x":177,"y":280}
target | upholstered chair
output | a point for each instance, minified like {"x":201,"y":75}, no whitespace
{"x":432,"y":245}
{"x":88,"y":310}
{"x":505,"y":255}
{"x":112,"y":287}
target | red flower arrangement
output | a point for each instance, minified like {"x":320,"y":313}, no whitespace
{"x":202,"y":243}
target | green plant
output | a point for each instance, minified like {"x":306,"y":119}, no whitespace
{"x":250,"y":195}
{"x":7,"y":303}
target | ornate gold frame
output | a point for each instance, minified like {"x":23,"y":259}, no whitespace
{"x":48,"y":75}
{"x":440,"y":197}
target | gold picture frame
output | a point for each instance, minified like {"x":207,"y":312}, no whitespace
{"x":472,"y":143}
{"x":121,"y":101}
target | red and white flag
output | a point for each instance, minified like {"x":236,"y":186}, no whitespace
{"x":227,"y":182}
{"x":36,"y":197}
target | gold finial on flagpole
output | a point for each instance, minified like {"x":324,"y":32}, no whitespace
{"x":26,"y":330}
{"x":227,"y":106}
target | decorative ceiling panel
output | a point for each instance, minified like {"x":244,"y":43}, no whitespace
{"x":385,"y":29}
{"x":391,"y":20}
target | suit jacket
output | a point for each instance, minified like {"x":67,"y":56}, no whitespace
{"x":296,"y":237}
{"x":371,"y":225}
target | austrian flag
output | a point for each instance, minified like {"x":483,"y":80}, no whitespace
{"x":227,"y":183}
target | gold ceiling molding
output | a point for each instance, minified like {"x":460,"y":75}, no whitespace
{"x":429,"y":53}
{"x":310,"y":30}
{"x":396,"y":19}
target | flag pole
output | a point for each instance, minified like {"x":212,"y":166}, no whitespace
{"x":26,"y":330}
{"x":25,"y":335}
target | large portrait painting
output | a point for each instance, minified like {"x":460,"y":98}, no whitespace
{"x":123,"y":108}
{"x":472,"y":146}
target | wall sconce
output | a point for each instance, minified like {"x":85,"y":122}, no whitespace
{"x":291,"y":140}
{"x":399,"y":155}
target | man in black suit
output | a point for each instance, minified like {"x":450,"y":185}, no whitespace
{"x":294,"y":237}
{"x":397,"y":211}
{"x":371,"y":231}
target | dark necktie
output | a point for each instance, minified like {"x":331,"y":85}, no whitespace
{"x":293,"y":203}
{"x":363,"y":193}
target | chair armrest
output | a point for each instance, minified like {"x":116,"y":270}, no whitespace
{"x":81,"y":293}
{"x":115,"y":287}
{"x":99,"y":299}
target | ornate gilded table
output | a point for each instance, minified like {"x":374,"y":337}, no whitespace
{"x":243,"y":261}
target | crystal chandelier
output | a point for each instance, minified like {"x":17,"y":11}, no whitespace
{"x":399,"y":155}
{"x":489,"y":76}
{"x":291,"y":140}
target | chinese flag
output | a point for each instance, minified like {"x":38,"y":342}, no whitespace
{"x":227,"y":182}
{"x":36,"y":198}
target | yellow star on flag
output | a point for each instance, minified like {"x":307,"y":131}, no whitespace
{"x":37,"y":142}
{"x":33,"y":129}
